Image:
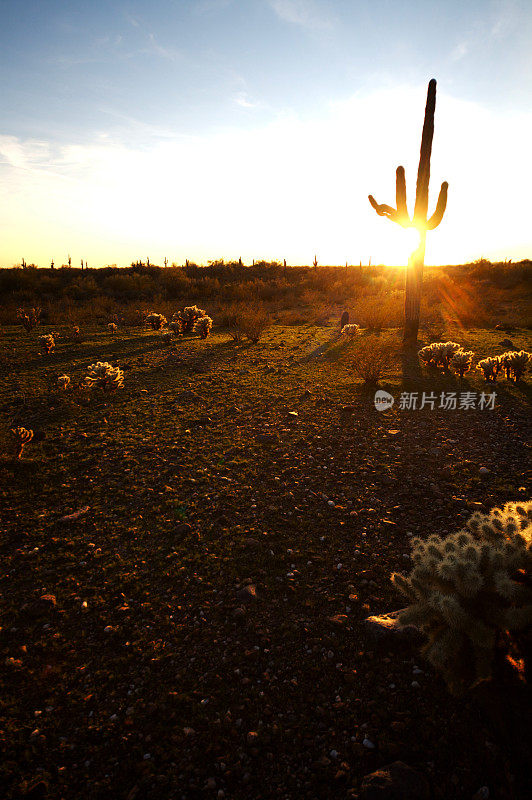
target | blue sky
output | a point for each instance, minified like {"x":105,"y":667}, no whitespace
{"x":270,"y":116}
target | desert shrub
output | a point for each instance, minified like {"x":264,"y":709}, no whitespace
{"x":461,"y":362}
{"x":515,"y":364}
{"x":29,"y":319}
{"x":20,"y":438}
{"x":371,"y":359}
{"x":203,"y":327}
{"x":253,"y":322}
{"x":490,"y":367}
{"x":103,"y":376}
{"x":350,"y":331}
{"x":46,"y":343}
{"x":155,"y":321}
{"x":439,"y":353}
{"x":380,"y":311}
{"x":467,"y":589}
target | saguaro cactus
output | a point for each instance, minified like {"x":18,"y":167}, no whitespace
{"x":414,"y":272}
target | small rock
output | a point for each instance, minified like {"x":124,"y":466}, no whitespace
{"x":248,"y":593}
{"x":388,"y":626}
{"x":484,"y":471}
{"x":396,"y":781}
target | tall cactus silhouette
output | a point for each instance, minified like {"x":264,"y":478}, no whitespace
{"x":414,"y":272}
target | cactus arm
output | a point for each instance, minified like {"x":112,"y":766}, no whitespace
{"x":423,"y":173}
{"x":382,"y":209}
{"x":436,"y":218}
{"x":400,"y":197}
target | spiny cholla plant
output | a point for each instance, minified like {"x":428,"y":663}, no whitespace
{"x":203,"y":326}
{"x":461,"y":362}
{"x":47,"y":343}
{"x":176,"y":326}
{"x":29,"y":319}
{"x":490,"y":367}
{"x":62,"y":382}
{"x":189,"y":317}
{"x":105,"y":376}
{"x":112,"y":327}
{"x":21,"y":437}
{"x":515,"y":364}
{"x":155,"y":321}
{"x":439,"y":353}
{"x":467,"y":589}
{"x":350,"y":331}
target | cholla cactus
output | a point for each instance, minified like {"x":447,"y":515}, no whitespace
{"x":105,"y":376}
{"x":350,"y":331}
{"x":47,"y":344}
{"x":155,"y":321}
{"x":515,"y":364}
{"x":461,"y":362}
{"x":467,"y":589}
{"x":203,"y":326}
{"x":189,"y":316}
{"x":439,"y":353}
{"x":63,"y":382}
{"x":29,"y":319}
{"x":86,"y":385}
{"x":112,"y":327}
{"x":176,"y":325}
{"x":491,"y":367}
{"x":21,"y":437}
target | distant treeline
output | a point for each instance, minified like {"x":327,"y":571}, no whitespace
{"x":264,"y":281}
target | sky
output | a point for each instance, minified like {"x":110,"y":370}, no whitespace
{"x":208,"y":129}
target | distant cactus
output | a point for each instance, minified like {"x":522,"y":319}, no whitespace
{"x":490,"y":367}
{"x":350,"y":331}
{"x":439,"y":353}
{"x":63,"y":382}
{"x":515,"y":364}
{"x":344,"y":320}
{"x":105,"y":376}
{"x":47,"y":344}
{"x":461,"y":362}
{"x":315,"y":262}
{"x":203,"y":326}
{"x":155,"y":321}
{"x":29,"y":319}
{"x":112,"y":327}
{"x":467,"y":589}
{"x":21,"y":437}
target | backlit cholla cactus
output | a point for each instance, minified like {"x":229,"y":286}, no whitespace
{"x":203,"y":326}
{"x":86,"y":385}
{"x":176,"y":325}
{"x":47,"y":343}
{"x":155,"y":321}
{"x":21,"y":437}
{"x":105,"y":376}
{"x":63,"y":382}
{"x":350,"y":331}
{"x":467,"y":589}
{"x":515,"y":364}
{"x":439,"y":353}
{"x":29,"y":319}
{"x":461,"y":362}
{"x":490,"y":367}
{"x":189,"y":317}
{"x":112,"y":327}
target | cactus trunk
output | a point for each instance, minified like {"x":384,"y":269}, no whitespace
{"x":413,"y":288}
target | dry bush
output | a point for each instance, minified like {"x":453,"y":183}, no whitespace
{"x":380,"y":311}
{"x":372,"y":358}
{"x":246,"y":320}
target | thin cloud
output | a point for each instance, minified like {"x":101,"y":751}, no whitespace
{"x":243,"y":99}
{"x":164,"y":52}
{"x":306,"y":13}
